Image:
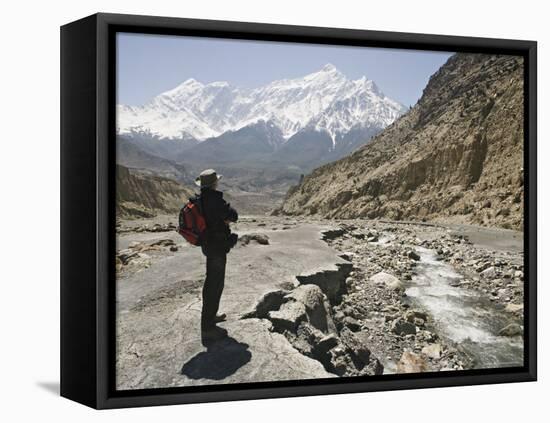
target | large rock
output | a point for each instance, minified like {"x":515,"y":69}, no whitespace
{"x":411,"y":363}
{"x":354,"y":346}
{"x":288,"y":317}
{"x":402,"y":327}
{"x":387,"y":280}
{"x":432,"y":351}
{"x":411,"y":315}
{"x":514,"y":308}
{"x":488,"y":273}
{"x":316,"y":306}
{"x":352,"y":357}
{"x":261,"y":239}
{"x":413,"y":255}
{"x":513,"y":329}
{"x":331,"y":282}
{"x":270,"y":301}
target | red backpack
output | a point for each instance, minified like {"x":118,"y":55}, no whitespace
{"x":192,"y":224}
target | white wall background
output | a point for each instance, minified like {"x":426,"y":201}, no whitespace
{"x":29,"y":195}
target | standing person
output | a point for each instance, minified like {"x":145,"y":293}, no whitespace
{"x":217,"y":243}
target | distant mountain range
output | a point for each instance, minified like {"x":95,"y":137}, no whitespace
{"x":325,"y":100}
{"x":260,"y":139}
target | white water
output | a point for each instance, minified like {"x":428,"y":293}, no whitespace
{"x":463,"y":315}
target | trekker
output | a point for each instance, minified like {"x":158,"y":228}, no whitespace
{"x":217,"y":243}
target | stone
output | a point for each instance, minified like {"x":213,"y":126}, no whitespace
{"x":482,"y":266}
{"x":354,"y":345}
{"x":163,"y":243}
{"x":514,"y":308}
{"x":410,"y":315}
{"x":347,"y":256}
{"x":125,"y":256}
{"x":270,"y":301}
{"x":261,"y":239}
{"x":372,"y":369}
{"x":351,"y":323}
{"x":327,"y":342}
{"x":413,"y":255}
{"x":411,"y":363}
{"x":288,"y":317}
{"x":518,"y":274}
{"x":316,"y":306}
{"x":513,"y":329}
{"x":419,"y":322}
{"x":387,"y":280}
{"x":402,"y":327}
{"x":489,"y":272}
{"x":118,"y":264}
{"x":432,"y":351}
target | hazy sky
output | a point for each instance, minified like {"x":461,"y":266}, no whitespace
{"x":151,"y":64}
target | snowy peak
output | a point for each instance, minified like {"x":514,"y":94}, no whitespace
{"x":329,"y":67}
{"x":325,"y":100}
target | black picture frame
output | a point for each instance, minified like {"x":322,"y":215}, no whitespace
{"x":87,"y":209}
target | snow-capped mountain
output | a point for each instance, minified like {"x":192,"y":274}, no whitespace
{"x":324,"y":101}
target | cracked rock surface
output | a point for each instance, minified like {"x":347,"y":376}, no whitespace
{"x":159,"y":304}
{"x":320,"y":299}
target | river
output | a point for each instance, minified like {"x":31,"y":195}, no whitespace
{"x":463,"y":315}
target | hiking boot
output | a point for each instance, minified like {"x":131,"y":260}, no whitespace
{"x":212,"y":334}
{"x":220,"y":318}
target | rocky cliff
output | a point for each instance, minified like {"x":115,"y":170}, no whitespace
{"x":457,"y":156}
{"x":141,"y":195}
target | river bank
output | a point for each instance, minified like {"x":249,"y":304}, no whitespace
{"x":315,"y":299}
{"x":452,"y":304}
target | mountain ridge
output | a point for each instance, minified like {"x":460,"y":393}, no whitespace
{"x":324,"y":100}
{"x":457,"y":155}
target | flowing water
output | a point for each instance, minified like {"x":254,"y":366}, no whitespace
{"x":463,"y":315}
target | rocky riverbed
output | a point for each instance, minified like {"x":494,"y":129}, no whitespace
{"x":398,"y":294}
{"x":318,"y":299}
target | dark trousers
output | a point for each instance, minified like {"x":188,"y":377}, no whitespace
{"x":212,"y":289}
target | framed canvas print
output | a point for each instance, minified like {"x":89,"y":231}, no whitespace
{"x":255,"y":211}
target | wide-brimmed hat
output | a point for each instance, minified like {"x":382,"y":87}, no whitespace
{"x":207,"y":178}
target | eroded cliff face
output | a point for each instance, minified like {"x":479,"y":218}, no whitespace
{"x":457,"y":156}
{"x":141,"y":195}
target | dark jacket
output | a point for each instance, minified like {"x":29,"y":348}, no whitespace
{"x":216,"y":211}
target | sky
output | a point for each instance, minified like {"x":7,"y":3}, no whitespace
{"x":148,"y":65}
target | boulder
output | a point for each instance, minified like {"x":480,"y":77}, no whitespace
{"x":355,"y":347}
{"x":163,"y":243}
{"x":513,"y":329}
{"x":432,"y":351}
{"x":261,"y":239}
{"x":352,"y":324}
{"x":358,"y":235}
{"x":288,"y":317}
{"x":514,"y":308}
{"x":270,"y":301}
{"x":348,"y":256}
{"x":125,"y":256}
{"x":402,"y":327}
{"x":411,"y":315}
{"x":387,"y":280}
{"x":413,"y":255}
{"x":411,"y":363}
{"x":316,"y":306}
{"x":490,"y":272}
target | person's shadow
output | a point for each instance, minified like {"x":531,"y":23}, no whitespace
{"x":221,"y":359}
